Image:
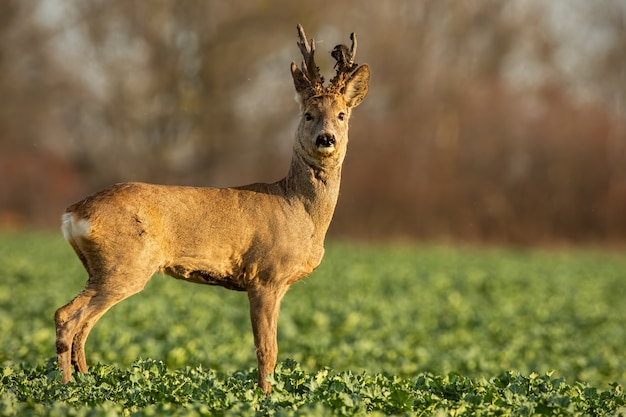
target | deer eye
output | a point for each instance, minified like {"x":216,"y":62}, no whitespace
{"x":341,"y":116}
{"x":308,"y":117}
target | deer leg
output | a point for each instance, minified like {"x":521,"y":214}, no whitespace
{"x":67,"y":319}
{"x":264,"y":308}
{"x":75,"y":320}
{"x":79,"y":359}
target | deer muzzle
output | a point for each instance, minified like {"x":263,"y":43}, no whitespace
{"x":325,"y":143}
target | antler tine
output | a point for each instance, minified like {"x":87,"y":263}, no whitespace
{"x":353,"y":47}
{"x":345,"y":62}
{"x":309,"y":68}
{"x":345,"y":56}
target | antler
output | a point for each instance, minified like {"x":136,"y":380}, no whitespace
{"x":345,"y":56}
{"x":345,"y":63}
{"x":310,"y":70}
{"x":308,"y":80}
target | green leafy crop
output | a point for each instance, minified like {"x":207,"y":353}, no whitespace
{"x":377,"y":329}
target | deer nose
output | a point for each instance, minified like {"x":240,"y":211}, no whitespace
{"x":325,"y":140}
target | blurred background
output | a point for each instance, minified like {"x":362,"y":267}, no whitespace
{"x":487,"y":121}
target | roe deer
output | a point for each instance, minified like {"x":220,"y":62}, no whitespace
{"x":258,"y":238}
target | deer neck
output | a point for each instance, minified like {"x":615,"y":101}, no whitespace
{"x":316,"y":186}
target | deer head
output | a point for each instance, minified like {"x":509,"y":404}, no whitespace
{"x":322,"y":135}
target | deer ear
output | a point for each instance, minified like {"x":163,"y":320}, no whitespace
{"x":357,"y":86}
{"x":300,"y":81}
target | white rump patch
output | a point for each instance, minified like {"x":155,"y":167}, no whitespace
{"x":72,"y":228}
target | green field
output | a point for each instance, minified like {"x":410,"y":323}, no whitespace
{"x":421,"y":330}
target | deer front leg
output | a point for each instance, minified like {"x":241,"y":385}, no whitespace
{"x":264,"y":308}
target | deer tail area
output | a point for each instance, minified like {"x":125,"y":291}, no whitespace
{"x":73,"y":228}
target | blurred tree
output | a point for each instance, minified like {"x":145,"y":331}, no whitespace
{"x":485,"y":120}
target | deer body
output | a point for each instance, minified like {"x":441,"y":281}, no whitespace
{"x":259,"y":238}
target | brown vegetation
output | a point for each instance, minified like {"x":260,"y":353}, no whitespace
{"x":487,"y":121}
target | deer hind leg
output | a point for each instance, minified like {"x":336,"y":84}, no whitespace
{"x":67,"y":319}
{"x":93,"y":312}
{"x":75,"y":320}
{"x":264,"y":309}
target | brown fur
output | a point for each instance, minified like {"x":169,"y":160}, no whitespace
{"x":259,"y":238}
